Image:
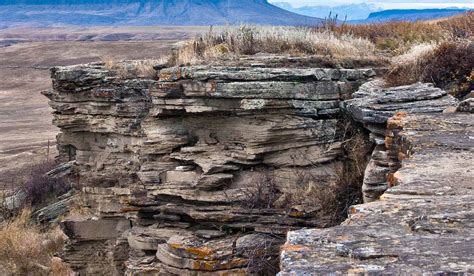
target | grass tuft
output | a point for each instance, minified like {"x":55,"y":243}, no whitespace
{"x":249,"y":40}
{"x":135,"y":68}
{"x":24,"y":248}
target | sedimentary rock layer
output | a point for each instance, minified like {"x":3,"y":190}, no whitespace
{"x":373,"y":105}
{"x":202,"y":170}
{"x":422,"y":225}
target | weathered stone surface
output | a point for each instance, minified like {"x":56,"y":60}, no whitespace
{"x":94,"y":229}
{"x":54,"y":211}
{"x":466,"y":106}
{"x":180,"y":159}
{"x":422,"y":225}
{"x":169,"y":169}
{"x":373,"y":105}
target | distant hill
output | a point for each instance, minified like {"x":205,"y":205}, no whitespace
{"x":357,"y":11}
{"x":146,"y":12}
{"x":410,"y":15}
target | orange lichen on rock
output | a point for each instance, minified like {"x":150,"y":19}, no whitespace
{"x":292,"y":247}
{"x":200,"y":252}
{"x":392,"y":181}
{"x":396,"y":121}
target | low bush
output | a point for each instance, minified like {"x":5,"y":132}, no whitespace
{"x":448,"y":65}
{"x":330,"y":198}
{"x":262,"y":192}
{"x":41,"y":188}
{"x":27,"y":250}
{"x":451,"y":67}
{"x":396,"y":37}
{"x":335,"y":197}
{"x":263,"y":255}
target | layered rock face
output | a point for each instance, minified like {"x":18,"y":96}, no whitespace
{"x":423,"y":225}
{"x":373,"y":106}
{"x":201,"y":171}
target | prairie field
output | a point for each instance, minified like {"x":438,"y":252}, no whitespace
{"x":413,"y":51}
{"x":25,"y":58}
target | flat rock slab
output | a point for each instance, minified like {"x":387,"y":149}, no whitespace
{"x":422,"y":225}
{"x":373,"y":104}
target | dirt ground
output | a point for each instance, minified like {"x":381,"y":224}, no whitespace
{"x":25,"y":117}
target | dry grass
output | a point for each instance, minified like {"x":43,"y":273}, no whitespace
{"x":135,"y":68}
{"x":399,"y":36}
{"x":263,"y":191}
{"x":333,"y":198}
{"x":24,"y":248}
{"x":249,"y":40}
{"x":328,"y":198}
{"x":449,"y":65}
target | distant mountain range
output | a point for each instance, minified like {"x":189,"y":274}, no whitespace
{"x":42,"y":13}
{"x":146,"y":12}
{"x":352,"y":11}
{"x":369,"y":13}
{"x":411,"y":15}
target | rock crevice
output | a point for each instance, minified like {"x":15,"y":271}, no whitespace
{"x":421,"y":225}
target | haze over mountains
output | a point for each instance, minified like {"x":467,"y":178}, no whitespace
{"x":146,"y":12}
{"x":369,"y":13}
{"x":353,"y":11}
{"x":44,"y":13}
{"x":411,"y":15}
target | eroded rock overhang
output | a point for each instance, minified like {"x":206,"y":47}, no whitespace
{"x":168,"y":167}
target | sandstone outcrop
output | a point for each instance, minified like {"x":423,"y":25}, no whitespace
{"x":197,"y":171}
{"x":203,"y":170}
{"x":373,"y":106}
{"x":422,"y":225}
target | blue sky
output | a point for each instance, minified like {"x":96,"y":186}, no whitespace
{"x":390,"y":4}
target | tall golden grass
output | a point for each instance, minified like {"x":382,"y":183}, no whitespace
{"x":140,"y":68}
{"x":398,"y":36}
{"x":249,"y":40}
{"x":27,"y":250}
{"x":330,"y":39}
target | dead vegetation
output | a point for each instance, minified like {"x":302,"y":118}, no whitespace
{"x":25,"y":247}
{"x":263,"y":191}
{"x":235,"y":41}
{"x":332,"y":39}
{"x":263,"y":253}
{"x":35,"y":189}
{"x":440,"y":52}
{"x":397,"y":37}
{"x":134,"y":68}
{"x":328,"y":196}
{"x":448,"y":65}
{"x":41,"y":188}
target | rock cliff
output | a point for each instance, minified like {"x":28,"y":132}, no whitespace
{"x":422,"y":225}
{"x":372,"y":106}
{"x":201,"y":170}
